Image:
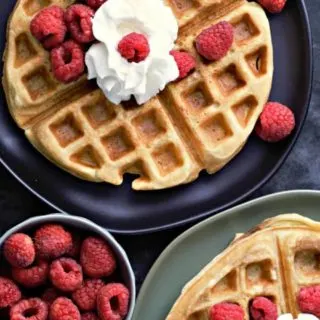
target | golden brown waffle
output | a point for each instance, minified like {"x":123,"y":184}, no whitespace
{"x":199,"y":123}
{"x":275,"y":260}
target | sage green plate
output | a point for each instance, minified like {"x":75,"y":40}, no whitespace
{"x":192,"y":250}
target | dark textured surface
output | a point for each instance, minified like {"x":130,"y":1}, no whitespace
{"x":300,"y":171}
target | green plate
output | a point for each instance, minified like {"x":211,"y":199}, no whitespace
{"x":196,"y":247}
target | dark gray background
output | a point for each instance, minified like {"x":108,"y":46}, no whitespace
{"x":300,"y":171}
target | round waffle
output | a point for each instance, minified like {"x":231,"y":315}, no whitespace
{"x":199,"y":123}
{"x":274,"y":260}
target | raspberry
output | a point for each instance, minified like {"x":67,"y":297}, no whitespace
{"x":309,"y":300}
{"x":64,"y":309}
{"x":97,"y":258}
{"x":79,"y":21}
{"x":134,"y":47}
{"x":273,"y":6}
{"x":74,"y":251}
{"x":95,"y":4}
{"x":31,"y":309}
{"x":113,"y":301}
{"x":225,"y":311}
{"x":86,"y":296}
{"x":263,"y":309}
{"x":185,"y":62}
{"x":50,"y":295}
{"x":33,"y":276}
{"x":67,"y":65}
{"x":19,"y":250}
{"x":214,"y":43}
{"x":52,"y":240}
{"x":276,"y":122}
{"x":66,"y":274}
{"x":9,"y":293}
{"x":48,"y":27}
{"x":89,"y":316}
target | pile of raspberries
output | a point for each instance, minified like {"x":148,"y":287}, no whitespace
{"x":57,"y":276}
{"x":66,"y":33}
{"x":263,"y":308}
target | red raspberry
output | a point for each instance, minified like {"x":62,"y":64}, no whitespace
{"x":273,"y":6}
{"x":31,"y":309}
{"x":79,"y":21}
{"x":64,"y":309}
{"x":276,"y":122}
{"x":225,"y":311}
{"x":67,"y":65}
{"x":19,"y":250}
{"x":214,"y":43}
{"x":89,"y":316}
{"x":185,"y":62}
{"x":33,"y":276}
{"x":66,"y":274}
{"x":52,"y":240}
{"x":86,"y":296}
{"x":134,"y":47}
{"x":97,"y":258}
{"x":50,"y":295}
{"x":9,"y":293}
{"x":113,"y":301}
{"x":74,"y":251}
{"x":309,"y":300}
{"x":95,"y":4}
{"x":263,"y":309}
{"x":48,"y":27}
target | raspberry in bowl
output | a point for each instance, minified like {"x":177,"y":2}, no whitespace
{"x":58,"y":265}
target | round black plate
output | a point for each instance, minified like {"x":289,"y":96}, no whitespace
{"x":122,"y":210}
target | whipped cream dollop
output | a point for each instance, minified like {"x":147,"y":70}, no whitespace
{"x":118,"y":78}
{"x":302,"y":316}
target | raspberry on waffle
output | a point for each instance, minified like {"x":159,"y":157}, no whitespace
{"x":198,"y":123}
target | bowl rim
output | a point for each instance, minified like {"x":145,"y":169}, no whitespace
{"x":63,"y":218}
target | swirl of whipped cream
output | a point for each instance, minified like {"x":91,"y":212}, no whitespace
{"x":302,"y":316}
{"x":118,"y":78}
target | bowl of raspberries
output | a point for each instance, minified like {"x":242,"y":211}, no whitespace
{"x":59,"y":267}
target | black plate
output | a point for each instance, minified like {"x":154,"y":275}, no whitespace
{"x":122,"y":210}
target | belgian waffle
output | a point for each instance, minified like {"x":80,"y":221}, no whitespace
{"x":199,"y":123}
{"x":275,"y":259}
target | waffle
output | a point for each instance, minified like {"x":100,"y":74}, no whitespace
{"x":275,"y":260}
{"x":199,"y":123}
